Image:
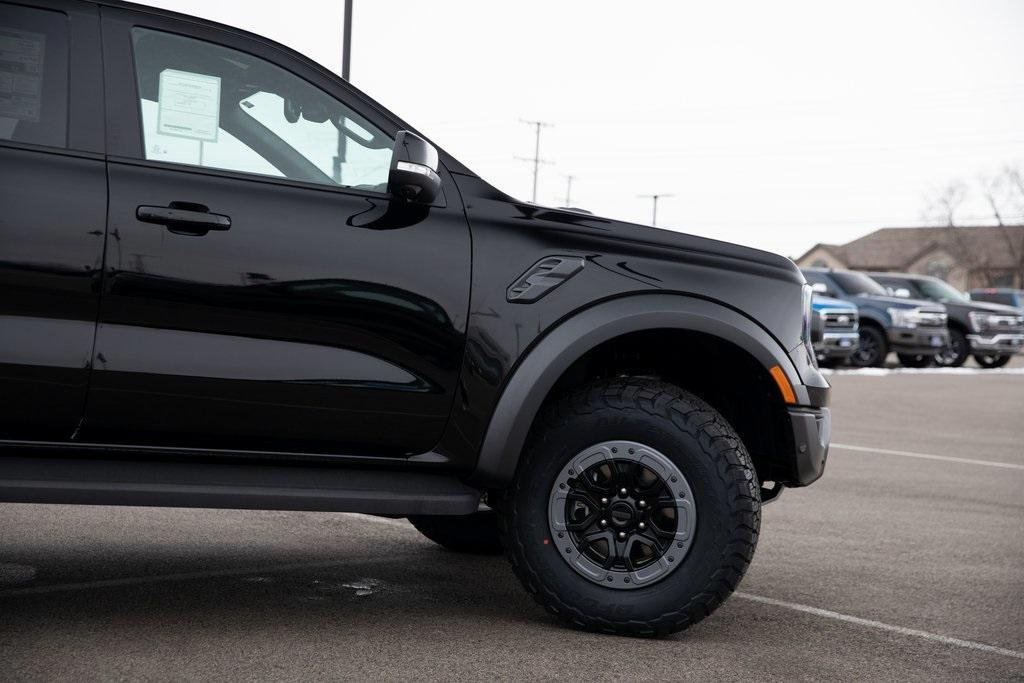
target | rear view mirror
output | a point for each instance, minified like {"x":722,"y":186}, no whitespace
{"x":413,"y":175}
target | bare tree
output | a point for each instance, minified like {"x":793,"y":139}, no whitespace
{"x":944,"y":202}
{"x":1004,"y":194}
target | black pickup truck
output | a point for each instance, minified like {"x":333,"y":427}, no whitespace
{"x":232,"y":280}
{"x":992,"y":333}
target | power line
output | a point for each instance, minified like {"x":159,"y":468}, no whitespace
{"x":536,"y":160}
{"x":654,"y":211}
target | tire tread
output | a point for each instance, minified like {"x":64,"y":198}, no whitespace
{"x":717,"y":440}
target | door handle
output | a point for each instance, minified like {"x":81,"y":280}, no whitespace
{"x":184,"y":218}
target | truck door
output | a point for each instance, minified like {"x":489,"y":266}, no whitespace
{"x":260,"y":294}
{"x":53,"y":198}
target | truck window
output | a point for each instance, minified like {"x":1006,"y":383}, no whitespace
{"x":207,"y":105}
{"x":854,"y":283}
{"x":33,"y":76}
{"x":814,"y":278}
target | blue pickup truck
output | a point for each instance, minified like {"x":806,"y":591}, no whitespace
{"x":834,"y":330}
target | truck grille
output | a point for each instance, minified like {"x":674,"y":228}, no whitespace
{"x":1005,"y":323}
{"x":839,"y":320}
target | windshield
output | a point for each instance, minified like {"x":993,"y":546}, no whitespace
{"x":937,"y":290}
{"x":858,"y":283}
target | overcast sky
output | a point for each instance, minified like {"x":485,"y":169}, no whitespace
{"x":773,"y":124}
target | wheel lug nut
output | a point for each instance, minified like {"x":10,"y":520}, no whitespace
{"x":604,"y":501}
{"x":622,"y":535}
{"x":642,"y":525}
{"x":623,"y":492}
{"x":604,"y":522}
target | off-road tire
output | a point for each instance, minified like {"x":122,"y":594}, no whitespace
{"x":709,"y":454}
{"x":476,"y":534}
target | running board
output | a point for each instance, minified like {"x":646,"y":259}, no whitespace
{"x":82,"y":481}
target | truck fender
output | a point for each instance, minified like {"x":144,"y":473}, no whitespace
{"x":559,"y":348}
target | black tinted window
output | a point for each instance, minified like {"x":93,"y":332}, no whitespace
{"x":33,"y":76}
{"x":858,"y":283}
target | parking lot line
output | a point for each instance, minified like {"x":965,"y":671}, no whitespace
{"x":881,"y":625}
{"x":928,"y":456}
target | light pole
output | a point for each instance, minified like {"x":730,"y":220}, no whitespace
{"x":346,"y":63}
{"x":654,"y":200}
{"x":346,"y":50}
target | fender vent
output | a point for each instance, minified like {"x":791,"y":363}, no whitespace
{"x":543,"y":277}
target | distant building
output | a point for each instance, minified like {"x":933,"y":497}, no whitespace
{"x":991,"y":256}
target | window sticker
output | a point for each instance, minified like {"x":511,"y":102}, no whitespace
{"x":21,"y":73}
{"x":189,"y":105}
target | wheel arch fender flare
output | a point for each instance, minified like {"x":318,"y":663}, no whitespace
{"x":871,"y":317}
{"x":541,"y":366}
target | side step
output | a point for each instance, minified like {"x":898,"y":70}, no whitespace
{"x":232,"y":486}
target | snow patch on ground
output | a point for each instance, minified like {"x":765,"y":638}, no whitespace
{"x":883,"y":372}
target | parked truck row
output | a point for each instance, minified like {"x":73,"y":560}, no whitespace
{"x":860,"y":318}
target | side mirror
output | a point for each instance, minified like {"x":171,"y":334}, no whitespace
{"x":819,"y":288}
{"x":413,"y":176}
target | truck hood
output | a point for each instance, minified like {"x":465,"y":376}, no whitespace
{"x":896,"y":302}
{"x":670,"y":242}
{"x":819,"y":302}
{"x":998,"y":309}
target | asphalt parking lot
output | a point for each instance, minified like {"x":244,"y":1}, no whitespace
{"x":905,"y":562}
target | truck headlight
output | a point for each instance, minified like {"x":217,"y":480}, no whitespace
{"x":805,"y":331}
{"x":912,"y":317}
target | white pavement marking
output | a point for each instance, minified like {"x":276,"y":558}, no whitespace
{"x":882,"y":626}
{"x":928,"y":456}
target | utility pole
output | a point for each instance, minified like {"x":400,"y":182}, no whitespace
{"x":535,"y":160}
{"x":654,"y":198}
{"x":346,"y":63}
{"x":568,"y":190}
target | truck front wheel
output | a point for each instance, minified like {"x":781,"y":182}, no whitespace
{"x":635,"y":509}
{"x":871,"y":349}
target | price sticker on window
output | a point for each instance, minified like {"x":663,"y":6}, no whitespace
{"x":189,"y":105}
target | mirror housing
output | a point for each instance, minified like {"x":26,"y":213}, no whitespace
{"x":901,"y":292}
{"x":819,"y":288}
{"x":413,"y":176}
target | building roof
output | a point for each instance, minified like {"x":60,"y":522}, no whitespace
{"x":897,"y":248}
